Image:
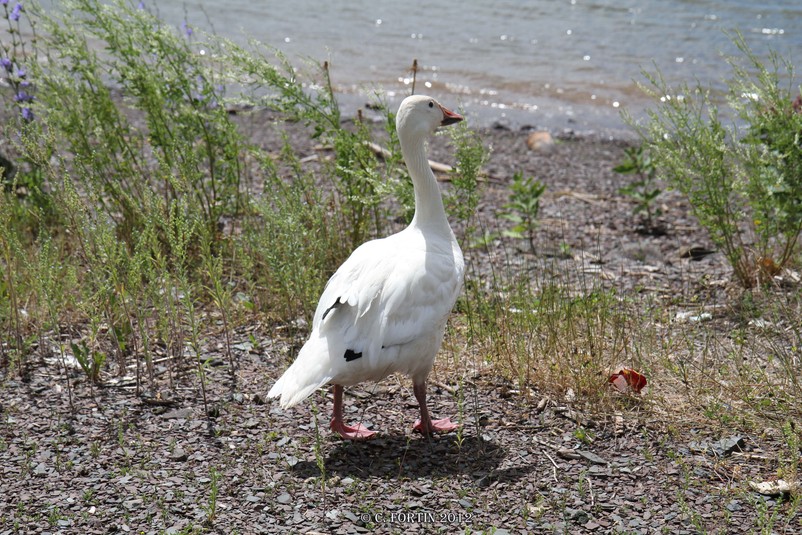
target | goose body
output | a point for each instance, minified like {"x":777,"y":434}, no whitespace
{"x":385,"y":309}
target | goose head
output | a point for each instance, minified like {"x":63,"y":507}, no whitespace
{"x":420,"y":115}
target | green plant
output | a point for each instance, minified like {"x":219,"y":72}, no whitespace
{"x":293,"y":241}
{"x":523,"y":207}
{"x":463,"y":199}
{"x":214,"y":491}
{"x":583,"y":435}
{"x":220,"y":294}
{"x":10,"y":249}
{"x":743,"y":179}
{"x":91,"y":361}
{"x":320,"y":461}
{"x":193,"y":140}
{"x":642,"y":190}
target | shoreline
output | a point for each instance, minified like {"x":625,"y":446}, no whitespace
{"x":560,"y":119}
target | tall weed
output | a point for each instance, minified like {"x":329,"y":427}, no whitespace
{"x":743,"y":178}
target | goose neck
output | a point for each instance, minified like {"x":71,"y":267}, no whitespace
{"x":429,"y":209}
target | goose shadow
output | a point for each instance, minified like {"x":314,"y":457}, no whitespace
{"x":405,"y":457}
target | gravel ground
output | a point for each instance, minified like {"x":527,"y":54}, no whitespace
{"x":163,"y":463}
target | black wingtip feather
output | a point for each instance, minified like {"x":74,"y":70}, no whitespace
{"x":350,"y":355}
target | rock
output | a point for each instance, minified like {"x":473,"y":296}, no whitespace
{"x":734,"y":506}
{"x":774,"y":488}
{"x":576,"y":515}
{"x":179,"y":455}
{"x":178,"y":414}
{"x":540,"y":141}
{"x":350,"y":516}
{"x":284,"y":498}
{"x":592,"y":457}
{"x":726,"y":446}
{"x":719,"y":448}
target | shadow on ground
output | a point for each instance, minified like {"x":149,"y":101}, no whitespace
{"x":404,"y":457}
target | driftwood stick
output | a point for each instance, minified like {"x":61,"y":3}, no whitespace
{"x":384,"y":153}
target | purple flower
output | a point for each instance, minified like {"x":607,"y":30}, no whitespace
{"x":140,"y":6}
{"x":3,"y":2}
{"x":22,"y":96}
{"x":21,"y":73}
{"x":15,"y":13}
{"x":27,"y":114}
{"x":187,"y":28}
{"x":6,"y":64}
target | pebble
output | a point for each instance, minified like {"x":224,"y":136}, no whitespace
{"x":178,"y":455}
{"x":178,"y":414}
{"x":284,"y":498}
{"x":540,"y":141}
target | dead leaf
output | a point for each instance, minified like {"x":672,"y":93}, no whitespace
{"x":768,"y":266}
{"x":626,"y":379}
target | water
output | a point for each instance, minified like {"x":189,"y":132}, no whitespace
{"x":559,"y":64}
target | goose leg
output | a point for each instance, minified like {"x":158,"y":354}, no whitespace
{"x":358,"y":432}
{"x":426,"y":425}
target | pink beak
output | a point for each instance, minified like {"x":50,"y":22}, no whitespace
{"x":449,"y":117}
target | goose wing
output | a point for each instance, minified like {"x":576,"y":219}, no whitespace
{"x":388,"y":294}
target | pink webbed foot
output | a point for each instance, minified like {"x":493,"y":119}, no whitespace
{"x":436,"y":426}
{"x":357,"y":432}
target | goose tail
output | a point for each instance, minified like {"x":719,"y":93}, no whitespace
{"x":304,"y":376}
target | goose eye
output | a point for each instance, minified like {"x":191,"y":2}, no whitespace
{"x":431,"y":104}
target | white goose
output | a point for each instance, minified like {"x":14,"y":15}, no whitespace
{"x":385,"y":309}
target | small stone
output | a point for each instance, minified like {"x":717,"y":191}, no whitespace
{"x":350,"y":516}
{"x":178,"y":455}
{"x":284,"y":498}
{"x":178,"y":414}
{"x":132,"y":504}
{"x":577,"y":515}
{"x":734,"y":506}
{"x":592,"y":457}
{"x":540,"y":141}
{"x":726,"y":446}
